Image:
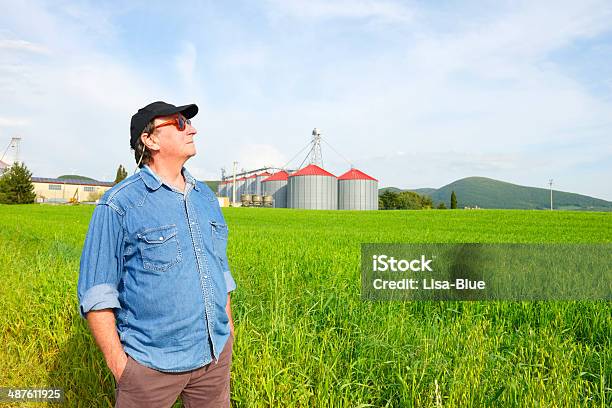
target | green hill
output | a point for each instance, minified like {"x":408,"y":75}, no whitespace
{"x":75,"y":177}
{"x":421,"y":191}
{"x":392,"y":189}
{"x":489,"y":193}
{"x":424,"y":191}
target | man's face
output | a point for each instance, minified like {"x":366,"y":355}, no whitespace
{"x":174,"y":143}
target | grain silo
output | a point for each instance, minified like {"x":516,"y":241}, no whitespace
{"x":309,"y":188}
{"x":229,"y":188}
{"x":239,"y":187}
{"x":249,"y":184}
{"x":220,"y":188}
{"x":312,"y":188}
{"x":276,"y":186}
{"x":258,"y":179}
{"x":357,"y":191}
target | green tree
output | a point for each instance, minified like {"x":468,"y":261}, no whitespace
{"x":404,"y":200}
{"x":16,"y":185}
{"x":453,"y":200}
{"x":426,"y":202}
{"x":389,"y":200}
{"x":409,"y":200}
{"x":442,"y":206}
{"x":121,"y":174}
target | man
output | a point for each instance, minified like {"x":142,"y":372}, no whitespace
{"x":154,"y":280}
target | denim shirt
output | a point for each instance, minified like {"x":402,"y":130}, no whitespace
{"x":157,"y":257}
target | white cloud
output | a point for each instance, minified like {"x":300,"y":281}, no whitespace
{"x":254,"y":155}
{"x":13,"y":122}
{"x":253,"y":57}
{"x":185,"y":63}
{"x":481,"y":90}
{"x":450,"y":95}
{"x":512,"y":42}
{"x":74,"y":105}
{"x":22,"y":45}
{"x":351,"y":9}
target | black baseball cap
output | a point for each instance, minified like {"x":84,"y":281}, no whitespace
{"x":153,"y":110}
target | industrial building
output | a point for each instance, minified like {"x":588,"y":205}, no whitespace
{"x":275,"y":186}
{"x":357,"y":191}
{"x":310,"y":187}
{"x":53,"y":190}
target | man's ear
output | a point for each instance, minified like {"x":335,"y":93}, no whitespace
{"x":149,"y":141}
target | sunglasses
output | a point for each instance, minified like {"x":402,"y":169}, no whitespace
{"x":179,"y":121}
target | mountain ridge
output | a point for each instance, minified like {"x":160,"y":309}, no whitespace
{"x":486,"y":192}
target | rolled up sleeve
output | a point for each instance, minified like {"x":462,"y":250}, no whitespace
{"x":101,"y":261}
{"x":229,"y":281}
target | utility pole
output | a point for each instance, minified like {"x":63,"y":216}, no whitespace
{"x":234,"y":186}
{"x":550,"y":183}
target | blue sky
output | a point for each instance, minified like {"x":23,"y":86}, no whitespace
{"x":417,"y":94}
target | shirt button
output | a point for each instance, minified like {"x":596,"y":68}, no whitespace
{"x":161,"y":238}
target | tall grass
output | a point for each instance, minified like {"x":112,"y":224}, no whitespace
{"x":304,"y":337}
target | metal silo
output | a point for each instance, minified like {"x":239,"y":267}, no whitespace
{"x":260,"y":177}
{"x":357,"y":191}
{"x":276,"y":186}
{"x":239,"y":187}
{"x":249,"y":184}
{"x":229,"y":188}
{"x":312,"y":188}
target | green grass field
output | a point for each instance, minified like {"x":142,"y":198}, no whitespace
{"x":303,"y":335}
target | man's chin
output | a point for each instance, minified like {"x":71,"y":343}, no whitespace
{"x":189,"y":156}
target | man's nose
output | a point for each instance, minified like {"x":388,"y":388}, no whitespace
{"x":191,"y":130}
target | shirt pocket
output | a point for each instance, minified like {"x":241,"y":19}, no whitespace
{"x":159,"y":248}
{"x":219,"y":238}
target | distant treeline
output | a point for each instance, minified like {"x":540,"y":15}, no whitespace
{"x":405,"y":200}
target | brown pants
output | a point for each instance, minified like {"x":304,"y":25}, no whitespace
{"x":208,"y":386}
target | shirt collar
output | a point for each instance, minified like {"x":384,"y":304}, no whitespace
{"x":153,"y":181}
{"x":190,"y":179}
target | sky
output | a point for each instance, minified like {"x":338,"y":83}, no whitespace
{"x":416,"y":94}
